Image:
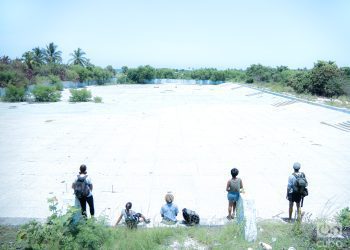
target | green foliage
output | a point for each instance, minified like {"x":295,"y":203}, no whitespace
{"x":12,"y":77}
{"x":100,"y":75}
{"x":14,"y":94}
{"x":97,"y":99}
{"x":80,"y":95}
{"x":325,"y":79}
{"x":43,"y":93}
{"x":72,"y":75}
{"x":78,"y":58}
{"x":110,"y":69}
{"x":65,"y":231}
{"x":83,"y":73}
{"x":259,"y":73}
{"x":299,"y":81}
{"x":142,"y":74}
{"x":52,"y":55}
{"x":343,"y":217}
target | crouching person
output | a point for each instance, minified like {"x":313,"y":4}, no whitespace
{"x":131,"y":218}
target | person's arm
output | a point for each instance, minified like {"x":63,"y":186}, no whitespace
{"x":120,"y":217}
{"x":228,"y":186}
{"x":161,"y":212}
{"x":242,"y":189}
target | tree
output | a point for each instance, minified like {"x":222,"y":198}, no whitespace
{"x":125,"y":69}
{"x":78,"y":58}
{"x":52,"y":55}
{"x":28,"y":59}
{"x":38,"y":56}
{"x":111,"y":69}
{"x":325,"y":79}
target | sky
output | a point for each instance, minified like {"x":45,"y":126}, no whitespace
{"x":182,"y":33}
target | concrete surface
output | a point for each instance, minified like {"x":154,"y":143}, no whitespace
{"x":145,"y":140}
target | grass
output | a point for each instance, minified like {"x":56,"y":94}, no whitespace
{"x":278,"y":234}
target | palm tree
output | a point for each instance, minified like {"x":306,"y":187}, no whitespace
{"x":39,"y":55}
{"x":52,"y":55}
{"x":78,"y":58}
{"x":28,"y":59}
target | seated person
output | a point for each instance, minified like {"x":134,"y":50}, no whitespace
{"x":131,"y":217}
{"x":169,"y":211}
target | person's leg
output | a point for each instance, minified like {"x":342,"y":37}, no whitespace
{"x":233,"y":209}
{"x":83,"y":205}
{"x":298,"y":211}
{"x":290,"y":210}
{"x":230,"y":205}
{"x":90,"y":201}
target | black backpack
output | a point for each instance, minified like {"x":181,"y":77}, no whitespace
{"x":81,"y":187}
{"x":131,"y":220}
{"x":300,"y":184}
{"x":190,"y":217}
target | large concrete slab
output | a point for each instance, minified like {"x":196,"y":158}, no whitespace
{"x":145,"y":140}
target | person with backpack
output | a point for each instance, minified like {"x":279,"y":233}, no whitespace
{"x":296,"y":190}
{"x":233,"y":187}
{"x":169,"y":211}
{"x":131,"y":218}
{"x":82,"y":187}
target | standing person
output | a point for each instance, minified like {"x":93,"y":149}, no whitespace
{"x":233,"y":187}
{"x":83,"y":191}
{"x":169,"y":211}
{"x":131,"y":218}
{"x":296,"y":190}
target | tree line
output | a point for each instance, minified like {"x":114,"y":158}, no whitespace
{"x":45,"y":65}
{"x":324,"y":79}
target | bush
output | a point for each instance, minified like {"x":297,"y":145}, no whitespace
{"x":65,"y":231}
{"x":14,"y":94}
{"x":43,"y":93}
{"x":97,"y":99}
{"x":343,"y":217}
{"x":82,"y":95}
{"x":299,"y":81}
{"x":325,"y":79}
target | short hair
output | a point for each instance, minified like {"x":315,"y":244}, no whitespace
{"x":169,"y":197}
{"x":128,"y":205}
{"x":83,"y":169}
{"x":234,"y":172}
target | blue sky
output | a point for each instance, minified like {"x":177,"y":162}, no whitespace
{"x":182,"y":33}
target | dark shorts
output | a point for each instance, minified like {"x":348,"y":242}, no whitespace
{"x":294,"y":197}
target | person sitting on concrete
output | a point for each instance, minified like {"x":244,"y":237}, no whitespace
{"x":233,"y":187}
{"x":169,"y":211}
{"x":83,"y":191}
{"x":296,"y":190}
{"x":131,"y":218}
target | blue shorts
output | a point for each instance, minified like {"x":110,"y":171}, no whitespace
{"x":233,"y":196}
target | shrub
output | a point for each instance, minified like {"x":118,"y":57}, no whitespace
{"x":65,"y":231}
{"x":80,"y":95}
{"x":324,"y":79}
{"x":97,"y":99}
{"x":299,"y":81}
{"x":14,"y":94}
{"x":43,"y":93}
{"x":343,"y":217}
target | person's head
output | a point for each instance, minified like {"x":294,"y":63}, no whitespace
{"x":83,"y":169}
{"x":128,"y":205}
{"x":169,"y":197}
{"x":296,"y":166}
{"x":234,"y":172}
